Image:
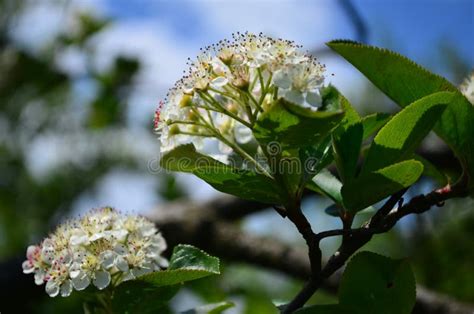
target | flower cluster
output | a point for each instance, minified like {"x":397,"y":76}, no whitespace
{"x":230,"y":84}
{"x":102,"y":248}
{"x":467,"y":87}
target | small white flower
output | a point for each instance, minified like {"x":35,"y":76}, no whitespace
{"x":92,"y":249}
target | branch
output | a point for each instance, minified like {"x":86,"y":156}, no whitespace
{"x":381,"y":222}
{"x":185,"y":223}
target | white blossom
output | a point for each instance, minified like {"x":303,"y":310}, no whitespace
{"x":230,"y":84}
{"x":101,"y":248}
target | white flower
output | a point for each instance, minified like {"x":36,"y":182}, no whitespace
{"x":229,"y":85}
{"x":467,"y":87}
{"x":94,"y":249}
{"x":300,"y":83}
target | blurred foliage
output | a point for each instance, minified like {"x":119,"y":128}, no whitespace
{"x":31,"y":79}
{"x":442,"y":253}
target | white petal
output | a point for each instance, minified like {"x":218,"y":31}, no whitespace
{"x":39,"y":277}
{"x":66,"y":288}
{"x":97,"y":236}
{"x":162,"y":262}
{"x":314,"y":99}
{"x":78,"y":239}
{"x":108,"y":259}
{"x":219,"y":81}
{"x":121,"y":264}
{"x":121,"y":249}
{"x":243,"y":134}
{"x":281,"y":79}
{"x":81,"y":282}
{"x":102,"y":279}
{"x":52,"y":288}
{"x":295,"y":97}
{"x":28,"y":267}
{"x":30,"y":250}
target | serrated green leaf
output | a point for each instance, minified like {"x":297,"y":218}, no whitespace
{"x":372,"y":123}
{"x":186,"y":263}
{"x":347,"y":144}
{"x":373,"y":187}
{"x":405,"y":82}
{"x":214,"y":308}
{"x":400,"y":78}
{"x":245,"y":184}
{"x":398,"y":139}
{"x":376,"y":284}
{"x":292,"y":126}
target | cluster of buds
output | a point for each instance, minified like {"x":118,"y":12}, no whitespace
{"x":103,"y":248}
{"x":230,"y":84}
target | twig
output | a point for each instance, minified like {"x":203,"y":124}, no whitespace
{"x":381,"y":222}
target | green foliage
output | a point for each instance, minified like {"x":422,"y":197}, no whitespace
{"x":328,"y":309}
{"x":373,"y":187}
{"x":347,"y":148}
{"x":242,"y":183}
{"x":406,"y":82}
{"x":398,"y":139}
{"x":293,"y":126}
{"x":382,"y":173}
{"x":372,"y":284}
{"x":377,"y":284}
{"x":214,"y":308}
{"x":150,"y":292}
{"x":327,"y":184}
{"x":372,"y":123}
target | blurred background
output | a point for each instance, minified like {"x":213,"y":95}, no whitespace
{"x":80,"y":80}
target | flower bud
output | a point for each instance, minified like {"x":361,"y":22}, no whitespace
{"x":174,"y":129}
{"x":186,"y":101}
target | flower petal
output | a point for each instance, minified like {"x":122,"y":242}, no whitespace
{"x":102,"y":279}
{"x":66,"y":288}
{"x":219,"y":81}
{"x":28,"y":267}
{"x":81,"y":282}
{"x":52,"y":289}
{"x":39,"y":277}
{"x":314,"y":99}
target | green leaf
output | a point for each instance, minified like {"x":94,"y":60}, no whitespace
{"x":245,"y":184}
{"x":186,"y":263}
{"x":400,"y":78}
{"x":327,"y":184}
{"x":329,"y":309}
{"x":405,"y":82}
{"x":346,"y":150}
{"x":214,"y":308}
{"x":372,"y":123}
{"x":376,"y":284}
{"x":293,"y":126}
{"x":370,"y":188}
{"x":398,"y":139}
{"x":142,"y":297}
